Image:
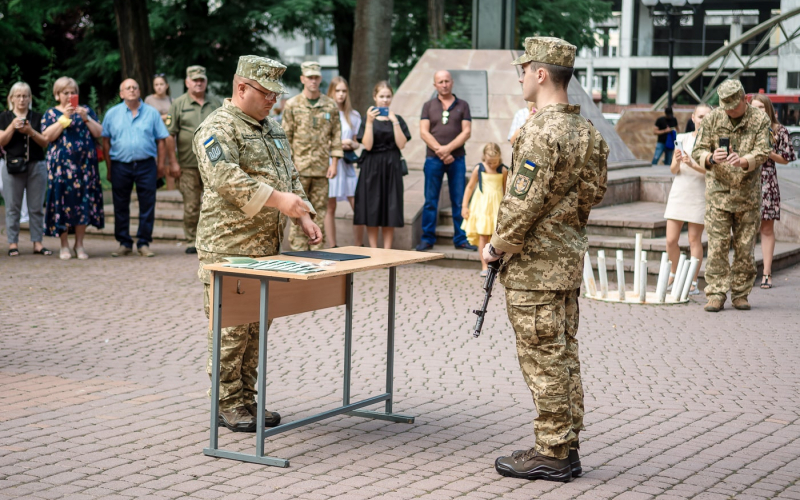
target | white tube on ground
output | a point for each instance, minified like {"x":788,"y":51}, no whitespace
{"x":676,"y":284}
{"x":693,"y":265}
{"x":588,"y":276}
{"x":663,"y":278}
{"x":602,"y":273}
{"x":643,"y":279}
{"x":621,"y":275}
{"x":680,"y":280}
{"x":637,"y":259}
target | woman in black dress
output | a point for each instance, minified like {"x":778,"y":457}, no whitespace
{"x":379,"y":193}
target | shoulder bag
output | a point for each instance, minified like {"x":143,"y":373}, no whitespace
{"x":16,"y":166}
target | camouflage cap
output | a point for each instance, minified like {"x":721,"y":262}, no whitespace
{"x":310,"y":68}
{"x":267,"y":72}
{"x":730,"y":94}
{"x":196,"y":72}
{"x":548,"y":50}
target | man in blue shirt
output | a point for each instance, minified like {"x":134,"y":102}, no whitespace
{"x":133,"y":139}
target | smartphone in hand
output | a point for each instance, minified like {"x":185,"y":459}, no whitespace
{"x":725,"y":142}
{"x":383,"y":111}
{"x":73,"y":101}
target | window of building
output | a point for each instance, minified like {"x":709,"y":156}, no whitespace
{"x":793,"y":80}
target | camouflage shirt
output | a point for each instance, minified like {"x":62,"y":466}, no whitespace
{"x":314,"y":133}
{"x":730,"y":187}
{"x":241,"y":162}
{"x":185,"y":115}
{"x":549,"y":194}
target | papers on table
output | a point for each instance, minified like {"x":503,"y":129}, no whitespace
{"x":284,"y":266}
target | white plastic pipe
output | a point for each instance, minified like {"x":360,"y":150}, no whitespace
{"x":637,"y":259}
{"x":680,"y":280}
{"x":663,"y":277}
{"x":588,"y":276}
{"x":643,"y":279}
{"x":676,"y":284}
{"x":693,"y":265}
{"x":621,"y":275}
{"x":602,"y":273}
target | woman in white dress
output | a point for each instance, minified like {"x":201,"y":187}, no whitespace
{"x":687,"y":199}
{"x":343,"y":186}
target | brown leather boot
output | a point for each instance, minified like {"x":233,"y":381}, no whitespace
{"x":715,"y":304}
{"x":271,"y":418}
{"x":237,"y":419}
{"x":741,"y":304}
{"x":531,"y":465}
{"x":575,"y":463}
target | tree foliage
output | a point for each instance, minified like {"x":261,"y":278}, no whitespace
{"x":567,"y":19}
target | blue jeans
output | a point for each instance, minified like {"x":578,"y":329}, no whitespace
{"x":143,"y":173}
{"x":434,"y":174}
{"x":662,"y":148}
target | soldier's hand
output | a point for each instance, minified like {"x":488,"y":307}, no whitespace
{"x":720,"y":155}
{"x":734,"y":159}
{"x":288,"y":204}
{"x":175,"y":170}
{"x":487,"y":257}
{"x":311,"y":230}
{"x":331,"y":173}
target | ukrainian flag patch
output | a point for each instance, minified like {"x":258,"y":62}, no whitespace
{"x":524,"y":179}
{"x":213,"y":150}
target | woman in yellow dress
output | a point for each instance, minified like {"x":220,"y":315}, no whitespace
{"x":480,"y":213}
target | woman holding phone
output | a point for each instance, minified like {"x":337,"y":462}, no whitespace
{"x":25,"y":168}
{"x":782,"y":153}
{"x":75,"y":198}
{"x":687,"y":199}
{"x":379,"y":193}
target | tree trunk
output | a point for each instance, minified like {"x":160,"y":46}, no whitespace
{"x":371,"y":53}
{"x":135,"y":46}
{"x":343,"y":21}
{"x":435,"y":21}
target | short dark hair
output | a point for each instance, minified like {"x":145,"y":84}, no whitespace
{"x":668,"y":111}
{"x":560,"y":75}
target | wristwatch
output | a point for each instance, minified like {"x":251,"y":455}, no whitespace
{"x":493,"y":253}
{"x":711,"y":159}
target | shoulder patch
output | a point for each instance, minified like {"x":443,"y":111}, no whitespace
{"x":213,"y":150}
{"x":524,"y":179}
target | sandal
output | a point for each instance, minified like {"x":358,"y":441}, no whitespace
{"x":13,"y":252}
{"x":764,"y":282}
{"x":80,"y":252}
{"x":65,"y":254}
{"x":42,"y":251}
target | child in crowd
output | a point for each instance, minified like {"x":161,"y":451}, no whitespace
{"x":480,"y":213}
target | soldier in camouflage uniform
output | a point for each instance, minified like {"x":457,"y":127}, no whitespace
{"x":251,"y":188}
{"x":186,"y":113}
{"x":558,"y":173}
{"x":733,"y":193}
{"x":311,"y":122}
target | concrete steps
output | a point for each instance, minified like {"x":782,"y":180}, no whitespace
{"x":169,"y":216}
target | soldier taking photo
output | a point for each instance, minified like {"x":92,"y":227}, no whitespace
{"x":558,"y":173}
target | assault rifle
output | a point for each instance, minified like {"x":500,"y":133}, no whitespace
{"x":488,"y":283}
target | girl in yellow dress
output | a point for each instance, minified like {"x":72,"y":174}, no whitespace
{"x":480,"y":213}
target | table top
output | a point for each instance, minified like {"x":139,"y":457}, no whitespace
{"x":379,"y":258}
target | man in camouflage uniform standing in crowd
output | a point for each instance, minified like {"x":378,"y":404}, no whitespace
{"x":733,"y":193}
{"x":311,"y":122}
{"x":252,"y":187}
{"x":186,"y":113}
{"x":558,"y":173}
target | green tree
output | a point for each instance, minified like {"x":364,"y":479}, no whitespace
{"x":567,"y":19}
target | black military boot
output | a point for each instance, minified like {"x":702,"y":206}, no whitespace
{"x":237,"y":419}
{"x":271,"y":418}
{"x":532,"y":465}
{"x":575,"y":463}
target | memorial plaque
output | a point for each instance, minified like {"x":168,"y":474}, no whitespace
{"x":473,"y":87}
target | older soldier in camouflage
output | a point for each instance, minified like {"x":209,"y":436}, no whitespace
{"x":558,"y":173}
{"x":186,"y":113}
{"x":252,"y":188}
{"x":311,"y":122}
{"x":733,"y":193}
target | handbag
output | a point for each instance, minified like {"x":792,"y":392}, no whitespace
{"x":350,"y":157}
{"x":403,"y":166}
{"x":16,"y":166}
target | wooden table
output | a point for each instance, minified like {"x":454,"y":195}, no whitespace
{"x":241,"y":296}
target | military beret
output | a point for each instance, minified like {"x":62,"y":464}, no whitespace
{"x":265,"y":71}
{"x":196,"y":72}
{"x":548,"y":50}
{"x":310,"y":68}
{"x":730,"y":94}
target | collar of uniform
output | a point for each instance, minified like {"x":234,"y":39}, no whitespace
{"x":307,"y":103}
{"x":228,"y":105}
{"x":744,"y":119}
{"x":572,"y":109}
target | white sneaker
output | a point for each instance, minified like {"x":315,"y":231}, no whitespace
{"x":694,"y":290}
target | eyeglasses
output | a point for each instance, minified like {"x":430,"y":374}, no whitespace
{"x":21,"y":96}
{"x":131,"y":87}
{"x":269,"y":96}
{"x":445,"y":117}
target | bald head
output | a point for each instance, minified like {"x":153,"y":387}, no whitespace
{"x":443,"y":82}
{"x":129,"y":92}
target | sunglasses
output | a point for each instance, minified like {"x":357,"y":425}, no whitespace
{"x":445,"y":117}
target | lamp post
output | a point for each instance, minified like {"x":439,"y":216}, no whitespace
{"x":674,"y":12}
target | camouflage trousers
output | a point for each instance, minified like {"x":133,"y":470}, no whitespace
{"x":546,"y":324}
{"x":316,"y":189}
{"x":720,"y":275}
{"x":190,"y":184}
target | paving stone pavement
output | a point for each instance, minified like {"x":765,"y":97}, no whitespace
{"x":102,"y":391}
